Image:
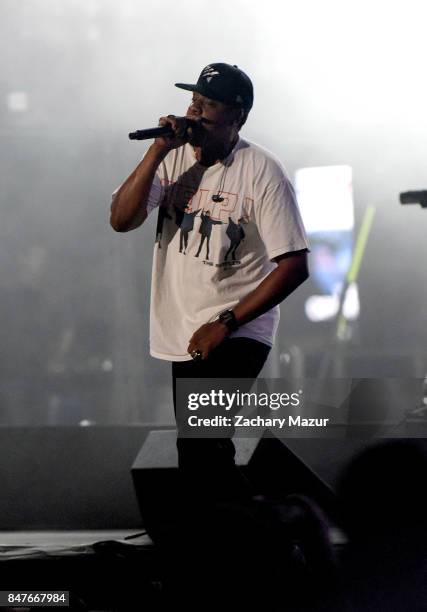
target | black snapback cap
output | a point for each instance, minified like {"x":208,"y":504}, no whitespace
{"x":225,"y":83}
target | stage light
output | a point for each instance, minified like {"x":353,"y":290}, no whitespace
{"x":17,"y":101}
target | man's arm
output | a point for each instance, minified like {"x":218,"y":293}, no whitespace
{"x":291,"y":271}
{"x":129,"y":207}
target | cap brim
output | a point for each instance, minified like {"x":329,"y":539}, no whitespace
{"x":205,"y":91}
{"x":187,"y":86}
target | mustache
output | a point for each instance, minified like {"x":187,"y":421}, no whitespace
{"x":202,"y":120}
{"x":209,"y":121}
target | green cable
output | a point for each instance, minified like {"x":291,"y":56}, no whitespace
{"x":362,"y":239}
{"x":356,"y":262}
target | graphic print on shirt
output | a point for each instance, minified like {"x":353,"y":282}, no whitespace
{"x":176,"y":202}
{"x":236,"y":234}
{"x":186,"y":224}
{"x":163,"y":214}
{"x":216,"y":226}
{"x":205,"y":230}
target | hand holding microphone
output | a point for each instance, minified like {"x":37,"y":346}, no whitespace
{"x":171,"y":133}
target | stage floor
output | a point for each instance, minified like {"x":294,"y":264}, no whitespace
{"x":102,"y":570}
{"x":58,"y":540}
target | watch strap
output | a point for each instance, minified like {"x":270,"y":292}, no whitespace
{"x":229,"y":319}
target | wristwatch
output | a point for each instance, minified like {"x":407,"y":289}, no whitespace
{"x":228,"y":318}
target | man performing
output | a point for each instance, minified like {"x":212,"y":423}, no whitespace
{"x":210,"y":319}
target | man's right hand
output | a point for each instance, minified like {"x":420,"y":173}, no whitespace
{"x":129,"y":206}
{"x":179,"y":126}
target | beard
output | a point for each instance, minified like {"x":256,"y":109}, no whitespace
{"x":197,"y":135}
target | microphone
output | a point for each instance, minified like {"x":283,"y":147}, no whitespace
{"x":165,"y":130}
{"x":414,"y":197}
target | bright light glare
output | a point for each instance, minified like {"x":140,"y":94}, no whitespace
{"x":325,"y":198}
{"x":17,"y":101}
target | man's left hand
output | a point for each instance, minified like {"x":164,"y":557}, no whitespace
{"x":208,"y":337}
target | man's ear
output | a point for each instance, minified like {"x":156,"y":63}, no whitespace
{"x":235,"y":116}
{"x":243,"y":115}
{"x":239,"y":117}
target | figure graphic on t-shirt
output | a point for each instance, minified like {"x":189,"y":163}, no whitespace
{"x":205,"y":230}
{"x":186,"y":225}
{"x":236,"y":234}
{"x":163,"y":214}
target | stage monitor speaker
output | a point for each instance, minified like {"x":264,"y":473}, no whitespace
{"x":272,"y":466}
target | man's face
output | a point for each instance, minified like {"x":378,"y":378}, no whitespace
{"x":219,"y":122}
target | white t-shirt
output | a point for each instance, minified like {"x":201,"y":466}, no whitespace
{"x":212,"y":254}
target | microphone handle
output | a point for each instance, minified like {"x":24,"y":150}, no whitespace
{"x":165,"y":130}
{"x":413,"y":197}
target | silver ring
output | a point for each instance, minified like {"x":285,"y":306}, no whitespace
{"x":197,"y":355}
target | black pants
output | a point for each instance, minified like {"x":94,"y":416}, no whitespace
{"x":207,"y":464}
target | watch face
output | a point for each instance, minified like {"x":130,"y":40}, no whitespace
{"x":227,"y":317}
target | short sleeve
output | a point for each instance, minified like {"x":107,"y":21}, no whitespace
{"x":156,"y":193}
{"x":279,"y":220}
